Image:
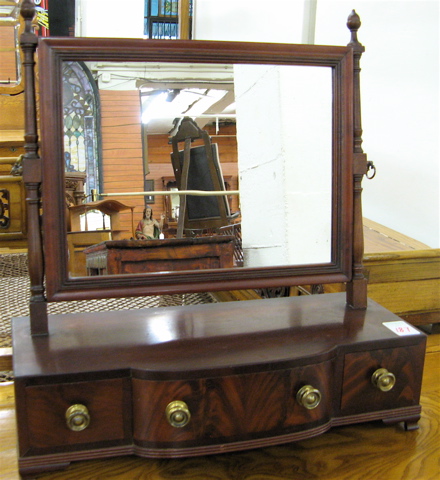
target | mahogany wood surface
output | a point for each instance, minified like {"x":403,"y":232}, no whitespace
{"x":237,"y":365}
{"x":367,"y":450}
{"x":356,"y":381}
{"x":111,"y":422}
{"x":230,"y":337}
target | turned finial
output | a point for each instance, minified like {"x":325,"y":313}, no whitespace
{"x":353,"y":24}
{"x":28,"y":13}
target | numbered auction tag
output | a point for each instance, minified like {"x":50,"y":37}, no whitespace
{"x":401,"y":328}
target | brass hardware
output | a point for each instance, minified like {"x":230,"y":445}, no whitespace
{"x":383,"y":379}
{"x":178,"y":414}
{"x":77,"y":417}
{"x":308,"y":397}
{"x":371,"y":170}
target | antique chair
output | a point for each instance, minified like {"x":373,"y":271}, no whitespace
{"x":198,"y":168}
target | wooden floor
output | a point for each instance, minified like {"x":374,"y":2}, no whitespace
{"x":369,"y":451}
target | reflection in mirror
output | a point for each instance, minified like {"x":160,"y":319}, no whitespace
{"x":285,"y":176}
{"x":10,"y":61}
{"x":272,"y":127}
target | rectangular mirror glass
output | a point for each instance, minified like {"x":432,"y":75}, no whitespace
{"x":280,"y":127}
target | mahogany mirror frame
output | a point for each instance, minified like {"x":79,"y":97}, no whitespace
{"x":52,"y":52}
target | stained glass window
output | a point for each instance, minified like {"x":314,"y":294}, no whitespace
{"x":81,"y":123}
{"x":161,"y":19}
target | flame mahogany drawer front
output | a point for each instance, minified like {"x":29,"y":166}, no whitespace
{"x":239,"y":407}
{"x":106,"y":417}
{"x":399,"y":370}
{"x":231,"y":407}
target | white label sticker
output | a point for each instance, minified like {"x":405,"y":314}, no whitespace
{"x":401,"y":328}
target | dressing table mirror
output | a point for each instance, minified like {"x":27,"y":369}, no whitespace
{"x":207,"y":379}
{"x":315,"y":203}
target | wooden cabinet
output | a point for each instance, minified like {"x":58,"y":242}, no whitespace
{"x":12,"y":208}
{"x":109,"y":207}
{"x":78,"y":239}
{"x":77,"y":242}
{"x":405,"y":282}
{"x":210,"y":378}
{"x":137,"y":256}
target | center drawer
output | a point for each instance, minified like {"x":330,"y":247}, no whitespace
{"x":231,"y":407}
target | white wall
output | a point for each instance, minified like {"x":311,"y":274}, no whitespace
{"x":248,"y":20}
{"x":110,"y":18}
{"x":400,"y":108}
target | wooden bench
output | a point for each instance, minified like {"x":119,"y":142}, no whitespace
{"x":406,"y":282}
{"x":403,"y":275}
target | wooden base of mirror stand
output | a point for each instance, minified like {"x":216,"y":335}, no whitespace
{"x":207,"y":379}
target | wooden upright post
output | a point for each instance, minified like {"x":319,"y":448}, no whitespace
{"x":32,"y":177}
{"x":357,"y":288}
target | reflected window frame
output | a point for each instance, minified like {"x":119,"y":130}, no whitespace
{"x":10,"y":18}
{"x":82,"y":124}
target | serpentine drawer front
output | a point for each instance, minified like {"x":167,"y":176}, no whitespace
{"x":199,"y":411}
{"x":236,"y":406}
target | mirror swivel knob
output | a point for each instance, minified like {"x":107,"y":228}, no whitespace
{"x":308,"y":397}
{"x":178,"y":414}
{"x":383,"y":379}
{"x":77,"y":417}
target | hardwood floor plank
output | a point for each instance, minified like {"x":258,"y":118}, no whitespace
{"x":8,"y":436}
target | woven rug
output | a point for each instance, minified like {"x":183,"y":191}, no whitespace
{"x":15,"y":293}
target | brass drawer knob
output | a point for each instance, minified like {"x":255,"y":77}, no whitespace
{"x":308,"y":397}
{"x":77,"y":417}
{"x":383,"y":379}
{"x":178,"y":414}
